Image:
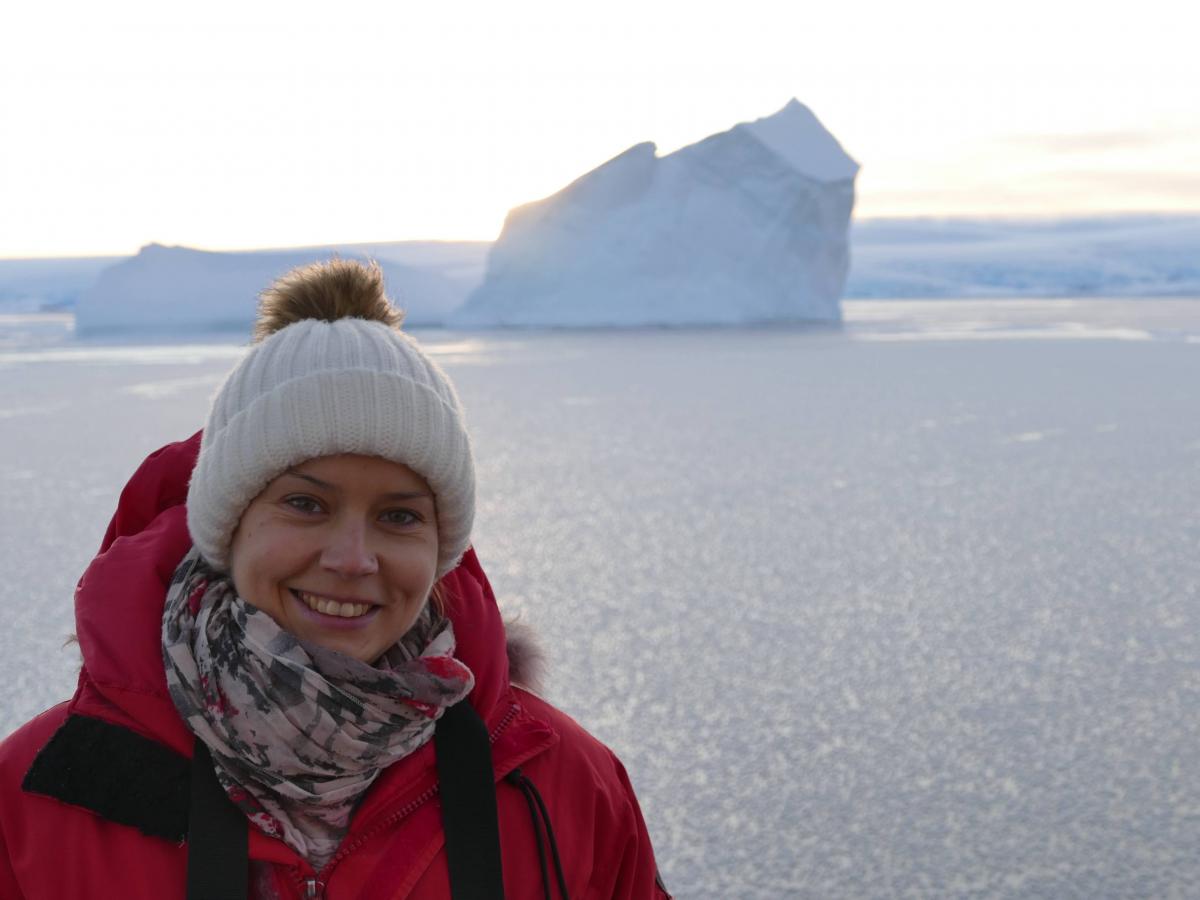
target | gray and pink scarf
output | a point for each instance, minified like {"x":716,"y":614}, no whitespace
{"x":298,"y":732}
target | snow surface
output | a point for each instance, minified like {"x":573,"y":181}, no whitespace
{"x":178,"y":289}
{"x":749,"y":225}
{"x":864,"y":616}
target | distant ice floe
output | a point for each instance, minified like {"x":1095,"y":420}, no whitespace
{"x":174,"y":289}
{"x":1023,"y":320}
{"x":35,"y":285}
{"x":120,"y":349}
{"x":746,"y":226}
{"x":1112,"y":256}
{"x":152,"y":354}
{"x":1067,"y":331}
{"x":160,"y":389}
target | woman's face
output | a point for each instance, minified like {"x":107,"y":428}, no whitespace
{"x":340,"y":551}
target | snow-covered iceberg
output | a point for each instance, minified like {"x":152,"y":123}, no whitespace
{"x":749,"y":225}
{"x":177,"y":288}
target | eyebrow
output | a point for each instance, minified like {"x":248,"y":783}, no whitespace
{"x":395,"y":495}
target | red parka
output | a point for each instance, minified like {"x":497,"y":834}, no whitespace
{"x":89,"y":809}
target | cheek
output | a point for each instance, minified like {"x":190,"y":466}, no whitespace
{"x":241,"y":547}
{"x":254,"y":561}
{"x":240,"y":572}
{"x":412,"y":574}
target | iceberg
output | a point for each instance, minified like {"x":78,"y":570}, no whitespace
{"x":746,"y":226}
{"x":172,"y":289}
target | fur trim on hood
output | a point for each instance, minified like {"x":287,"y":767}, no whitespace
{"x":526,"y":658}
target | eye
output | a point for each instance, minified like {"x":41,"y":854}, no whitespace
{"x":401,"y":517}
{"x":302,"y":503}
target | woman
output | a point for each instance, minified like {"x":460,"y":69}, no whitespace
{"x":295,"y":680}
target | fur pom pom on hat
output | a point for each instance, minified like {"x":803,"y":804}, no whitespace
{"x":331,"y":373}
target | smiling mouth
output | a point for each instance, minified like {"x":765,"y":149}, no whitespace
{"x":329,"y":607}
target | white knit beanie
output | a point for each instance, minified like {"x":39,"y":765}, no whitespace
{"x":317,"y":388}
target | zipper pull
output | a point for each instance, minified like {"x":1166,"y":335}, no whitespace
{"x":314,"y":889}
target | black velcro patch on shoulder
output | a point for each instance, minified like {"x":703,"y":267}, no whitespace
{"x":117,"y":774}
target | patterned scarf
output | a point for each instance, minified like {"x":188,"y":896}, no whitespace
{"x":298,"y":732}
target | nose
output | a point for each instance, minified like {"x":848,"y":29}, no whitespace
{"x":347,"y":552}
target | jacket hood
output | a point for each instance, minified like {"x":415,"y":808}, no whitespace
{"x":119,"y":604}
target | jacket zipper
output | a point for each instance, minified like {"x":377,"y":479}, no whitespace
{"x":313,"y":887}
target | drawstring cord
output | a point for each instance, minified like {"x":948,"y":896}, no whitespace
{"x":539,"y":815}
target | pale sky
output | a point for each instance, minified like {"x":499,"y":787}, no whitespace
{"x":228,"y":125}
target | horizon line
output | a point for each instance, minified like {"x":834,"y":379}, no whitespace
{"x":1031,"y":218}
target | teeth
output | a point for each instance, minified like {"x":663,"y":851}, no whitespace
{"x":332,"y":607}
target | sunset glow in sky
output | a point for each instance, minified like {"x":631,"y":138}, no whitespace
{"x":237,"y":125}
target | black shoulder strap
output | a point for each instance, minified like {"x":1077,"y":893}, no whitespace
{"x":469,"y":819}
{"x":218,"y":861}
{"x":218,"y":853}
